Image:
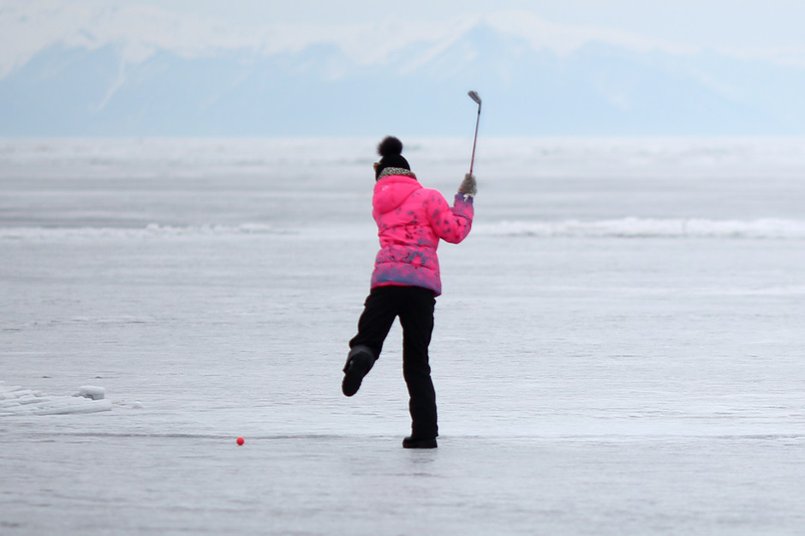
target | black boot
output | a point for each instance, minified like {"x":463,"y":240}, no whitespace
{"x":359,"y":363}
{"x":411,"y":442}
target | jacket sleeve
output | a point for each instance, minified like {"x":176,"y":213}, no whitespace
{"x":452,"y":224}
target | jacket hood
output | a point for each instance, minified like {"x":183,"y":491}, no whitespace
{"x":390,"y":192}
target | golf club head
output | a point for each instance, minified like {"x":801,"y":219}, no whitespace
{"x":474,"y":96}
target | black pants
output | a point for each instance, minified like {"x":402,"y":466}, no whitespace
{"x":414,"y":306}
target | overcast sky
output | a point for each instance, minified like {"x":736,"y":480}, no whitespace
{"x":770,"y":29}
{"x":711,"y":23}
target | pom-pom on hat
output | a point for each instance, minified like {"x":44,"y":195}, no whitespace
{"x":390,"y":151}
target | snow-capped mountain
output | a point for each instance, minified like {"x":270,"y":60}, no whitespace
{"x":131,"y":75}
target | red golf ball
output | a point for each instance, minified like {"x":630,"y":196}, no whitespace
{"x":240,"y":441}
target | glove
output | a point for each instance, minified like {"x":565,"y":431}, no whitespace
{"x":468,"y":186}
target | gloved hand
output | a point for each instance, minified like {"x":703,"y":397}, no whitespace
{"x":468,"y":186}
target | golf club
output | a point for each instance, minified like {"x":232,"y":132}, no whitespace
{"x":477,"y":98}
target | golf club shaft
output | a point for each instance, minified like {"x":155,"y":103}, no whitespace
{"x":475,"y":138}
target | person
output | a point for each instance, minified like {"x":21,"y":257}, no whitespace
{"x":411,"y":220}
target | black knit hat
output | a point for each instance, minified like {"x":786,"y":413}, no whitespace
{"x":390,"y":151}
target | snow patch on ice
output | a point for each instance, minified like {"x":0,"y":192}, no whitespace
{"x":758,"y":229}
{"x":152,"y":230}
{"x":650,"y":228}
{"x":16,"y":400}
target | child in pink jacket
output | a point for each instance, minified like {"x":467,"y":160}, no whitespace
{"x":410,"y":220}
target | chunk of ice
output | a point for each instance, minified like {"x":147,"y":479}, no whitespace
{"x":91,"y":391}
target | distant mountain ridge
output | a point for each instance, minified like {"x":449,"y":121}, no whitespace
{"x":600,"y":88}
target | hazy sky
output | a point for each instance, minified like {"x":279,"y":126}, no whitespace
{"x":769,"y":28}
{"x":711,"y":23}
{"x":366,"y":28}
{"x":721,"y":23}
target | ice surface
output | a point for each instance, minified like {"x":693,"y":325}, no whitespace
{"x":618,"y":349}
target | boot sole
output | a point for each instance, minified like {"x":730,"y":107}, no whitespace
{"x":358,"y":367}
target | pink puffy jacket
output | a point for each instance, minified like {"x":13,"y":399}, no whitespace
{"x":410,"y":221}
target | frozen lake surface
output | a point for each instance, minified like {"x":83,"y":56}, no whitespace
{"x":618,"y":350}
